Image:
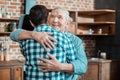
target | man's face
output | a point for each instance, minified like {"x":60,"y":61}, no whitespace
{"x":58,"y":20}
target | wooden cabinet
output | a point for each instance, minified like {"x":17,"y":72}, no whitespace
{"x":102,"y":70}
{"x":98,"y":70}
{"x":4,"y":73}
{"x":115,"y":70}
{"x":72,"y":27}
{"x":4,"y":22}
{"x":99,"y":22}
{"x":11,"y":70}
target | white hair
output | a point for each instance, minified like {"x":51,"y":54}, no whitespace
{"x":70,"y":19}
{"x":67,"y":15}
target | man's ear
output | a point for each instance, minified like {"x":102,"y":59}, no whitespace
{"x":68,"y":22}
{"x":67,"y":25}
{"x":31,"y":23}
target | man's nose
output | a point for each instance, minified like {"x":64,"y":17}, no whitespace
{"x":55,"y":19}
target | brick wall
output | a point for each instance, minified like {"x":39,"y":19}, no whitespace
{"x":16,"y":7}
{"x":74,"y":5}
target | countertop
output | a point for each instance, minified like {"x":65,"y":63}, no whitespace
{"x":99,"y":60}
{"x":11,"y":63}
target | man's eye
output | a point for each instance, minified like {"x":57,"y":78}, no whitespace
{"x":60,"y":17}
{"x":52,"y":16}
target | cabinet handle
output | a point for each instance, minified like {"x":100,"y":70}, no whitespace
{"x":18,"y":69}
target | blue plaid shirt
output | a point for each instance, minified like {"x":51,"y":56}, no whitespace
{"x":32,"y":50}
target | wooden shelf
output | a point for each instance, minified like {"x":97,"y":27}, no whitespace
{"x":96,"y":12}
{"x":9,"y":19}
{"x":95,"y":23}
{"x":96,"y":20}
{"x":95,"y":34}
{"x":4,"y":20}
{"x":4,"y":33}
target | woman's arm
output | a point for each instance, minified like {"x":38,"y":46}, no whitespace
{"x":42,"y":37}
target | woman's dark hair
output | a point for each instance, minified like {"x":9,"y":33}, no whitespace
{"x":38,"y":14}
{"x":26,"y":23}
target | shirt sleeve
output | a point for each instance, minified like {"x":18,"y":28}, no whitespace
{"x":15,"y":34}
{"x":80,"y":64}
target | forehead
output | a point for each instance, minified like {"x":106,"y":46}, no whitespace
{"x":58,"y":13}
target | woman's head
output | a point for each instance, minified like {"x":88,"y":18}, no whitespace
{"x":38,"y":15}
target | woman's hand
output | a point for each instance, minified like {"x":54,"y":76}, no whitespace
{"x":45,"y":39}
{"x":49,"y":65}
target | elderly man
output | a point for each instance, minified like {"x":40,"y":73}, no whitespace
{"x":59,"y":20}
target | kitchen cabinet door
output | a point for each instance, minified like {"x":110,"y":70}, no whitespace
{"x":18,"y":73}
{"x":4,"y":73}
